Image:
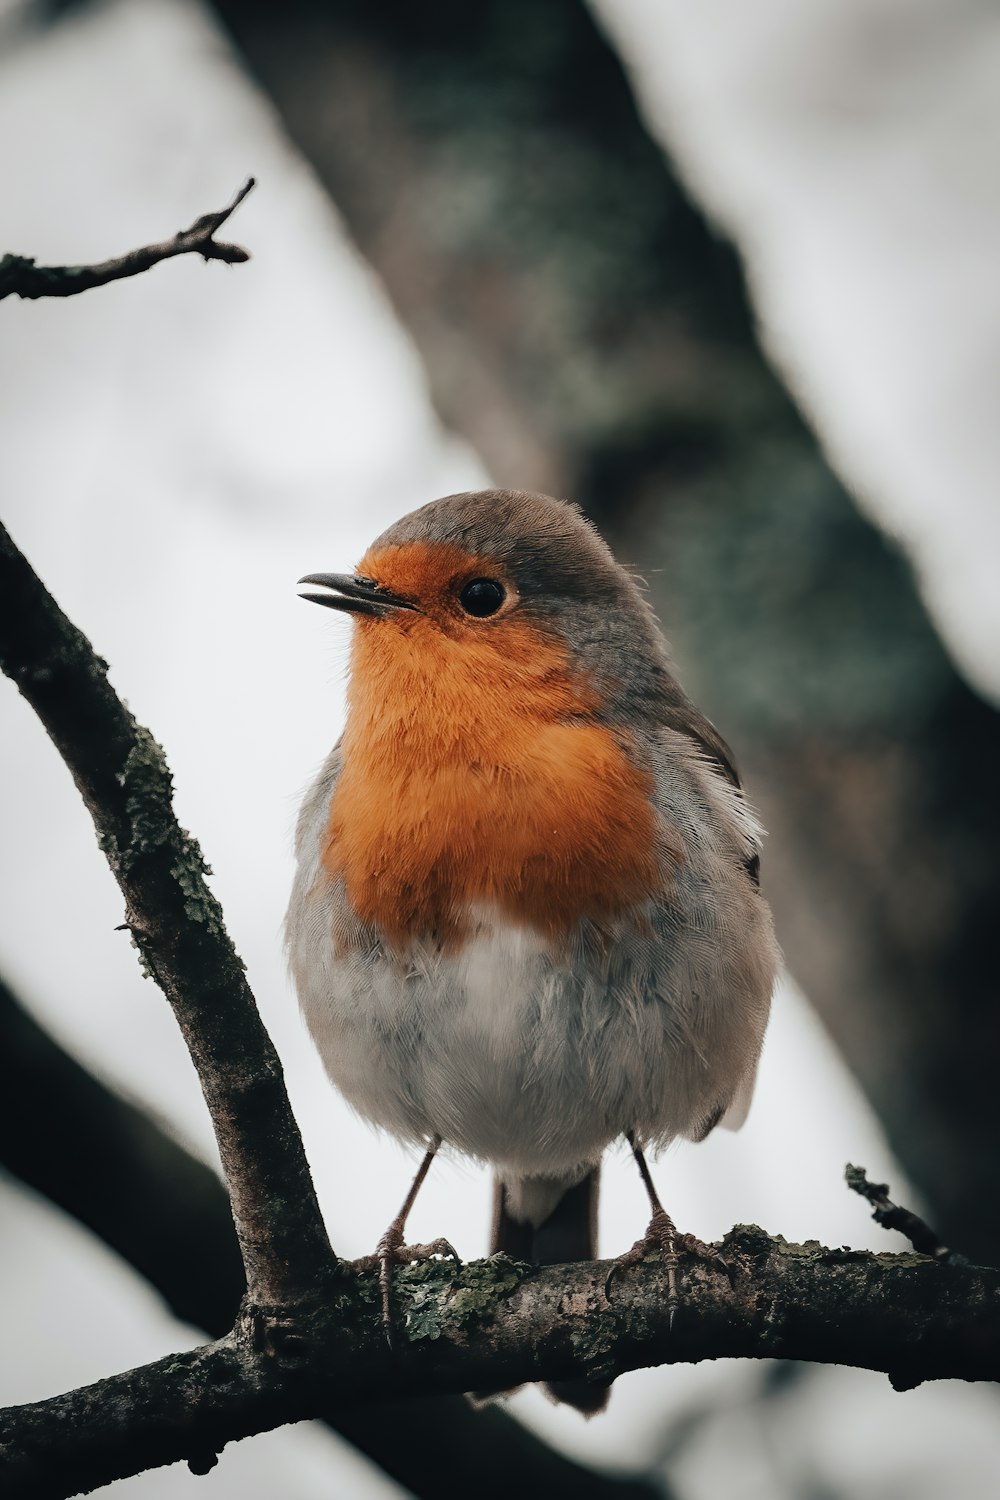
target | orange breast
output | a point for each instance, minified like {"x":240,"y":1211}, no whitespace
{"x":474,"y":774}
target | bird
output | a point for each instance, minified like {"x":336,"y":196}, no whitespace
{"x":526,"y":918}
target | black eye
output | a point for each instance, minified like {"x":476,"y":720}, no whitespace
{"x":482,"y":597}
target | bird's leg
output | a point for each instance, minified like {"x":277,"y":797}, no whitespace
{"x":661,"y":1235}
{"x":391,"y":1249}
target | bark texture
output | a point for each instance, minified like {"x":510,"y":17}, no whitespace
{"x":498,"y":1322}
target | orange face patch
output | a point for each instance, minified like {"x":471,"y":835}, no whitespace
{"x":474,"y":772}
{"x":433,"y":576}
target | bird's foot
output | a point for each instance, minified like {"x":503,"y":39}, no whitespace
{"x":391,"y":1251}
{"x":662,"y":1235}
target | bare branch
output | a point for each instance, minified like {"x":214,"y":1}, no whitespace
{"x":20,"y":277}
{"x":177,"y":925}
{"x":891,"y":1216}
{"x":498,"y":1322}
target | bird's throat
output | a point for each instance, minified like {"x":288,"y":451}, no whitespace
{"x":476,"y":774}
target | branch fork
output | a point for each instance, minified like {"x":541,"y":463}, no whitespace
{"x":309,"y":1331}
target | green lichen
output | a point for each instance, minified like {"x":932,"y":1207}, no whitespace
{"x":814,"y":1250}
{"x":809,"y":1250}
{"x":148,"y":786}
{"x":594,"y":1344}
{"x":354,"y":1298}
{"x":108,"y":845}
{"x":439,"y":1298}
{"x":146,"y":963}
{"x":424,"y":1314}
{"x":904,"y":1258}
{"x":147,"y":783}
{"x":189,"y":870}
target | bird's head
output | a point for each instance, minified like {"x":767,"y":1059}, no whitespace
{"x":485,"y":578}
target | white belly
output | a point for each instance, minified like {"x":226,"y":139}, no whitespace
{"x":504,"y":1052}
{"x":526,"y":1057}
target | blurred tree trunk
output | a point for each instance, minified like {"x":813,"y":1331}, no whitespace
{"x":587,"y":331}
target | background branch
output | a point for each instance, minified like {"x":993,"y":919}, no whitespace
{"x":68,"y":1136}
{"x":106,"y":1162}
{"x":20,"y":277}
{"x":498,"y":1322}
{"x":177,"y":926}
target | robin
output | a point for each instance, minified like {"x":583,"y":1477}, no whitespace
{"x":526,"y":919}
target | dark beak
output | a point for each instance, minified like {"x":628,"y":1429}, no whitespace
{"x":356,"y":596}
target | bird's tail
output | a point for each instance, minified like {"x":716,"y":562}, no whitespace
{"x":527,"y":1228}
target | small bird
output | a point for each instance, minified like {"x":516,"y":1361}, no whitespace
{"x":526,"y":918}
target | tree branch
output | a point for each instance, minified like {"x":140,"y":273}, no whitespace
{"x":177,"y":926}
{"x":67,"y":1135}
{"x":920,"y":1235}
{"x":498,"y":1322}
{"x":20,"y":277}
{"x":306,"y":1337}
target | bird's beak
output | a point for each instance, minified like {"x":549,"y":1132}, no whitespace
{"x":356,"y":596}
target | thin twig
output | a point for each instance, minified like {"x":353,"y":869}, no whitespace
{"x":21,"y":277}
{"x":891,"y":1216}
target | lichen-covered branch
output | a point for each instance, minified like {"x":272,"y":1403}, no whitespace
{"x":102,"y":1159}
{"x":309,"y":1335}
{"x":177,"y":926}
{"x":20,"y":277}
{"x":497,"y":1323}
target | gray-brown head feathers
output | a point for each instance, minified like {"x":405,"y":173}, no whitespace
{"x":570,"y":583}
{"x":547,"y":545}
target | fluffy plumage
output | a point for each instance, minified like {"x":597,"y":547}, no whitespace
{"x":525,"y":916}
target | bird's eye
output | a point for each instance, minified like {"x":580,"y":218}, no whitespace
{"x":482,"y":597}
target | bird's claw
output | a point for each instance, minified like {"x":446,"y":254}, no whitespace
{"x":662,"y":1235}
{"x":391,"y":1251}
